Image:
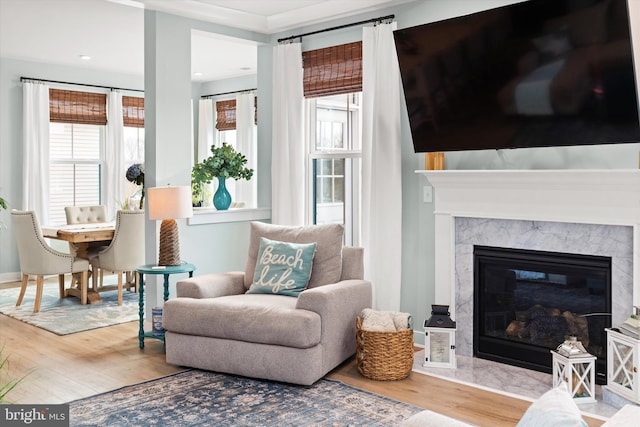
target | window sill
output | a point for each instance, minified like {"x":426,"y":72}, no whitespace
{"x":213,"y":216}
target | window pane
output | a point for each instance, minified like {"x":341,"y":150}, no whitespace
{"x":228,"y":136}
{"x":325,"y":135}
{"x":133,"y":145}
{"x":60,"y":191}
{"x":86,"y":142}
{"x":325,"y":167}
{"x":338,"y":140}
{"x":338,"y":167}
{"x":60,"y":146}
{"x":87,"y":184}
{"x":338,"y":190}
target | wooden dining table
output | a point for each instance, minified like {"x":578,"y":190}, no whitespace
{"x":82,"y":235}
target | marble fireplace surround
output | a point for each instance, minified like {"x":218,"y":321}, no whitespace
{"x":576,"y":211}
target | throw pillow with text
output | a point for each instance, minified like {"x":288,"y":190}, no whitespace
{"x":282,"y":268}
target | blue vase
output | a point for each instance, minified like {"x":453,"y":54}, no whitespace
{"x":221,"y":198}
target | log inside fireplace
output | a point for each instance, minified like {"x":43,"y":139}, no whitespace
{"x":526,"y":303}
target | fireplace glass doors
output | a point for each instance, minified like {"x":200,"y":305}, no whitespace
{"x":527,"y":302}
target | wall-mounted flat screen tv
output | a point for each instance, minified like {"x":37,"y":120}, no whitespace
{"x":531,"y":74}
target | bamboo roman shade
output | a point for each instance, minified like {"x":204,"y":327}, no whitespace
{"x":332,"y":70}
{"x":133,"y":111}
{"x":67,"y":106}
{"x":226,"y":114}
{"x":89,"y":108}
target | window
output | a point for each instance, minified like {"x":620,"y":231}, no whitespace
{"x":133,"y":153}
{"x":333,"y":88}
{"x":77,"y":135}
{"x":334,"y":122}
{"x":74,"y":172}
{"x":133,"y":121}
{"x":244,"y":141}
{"x":76,"y":132}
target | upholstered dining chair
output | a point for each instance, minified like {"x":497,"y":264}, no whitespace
{"x":85,"y":214}
{"x":126,"y":251}
{"x":39,"y":259}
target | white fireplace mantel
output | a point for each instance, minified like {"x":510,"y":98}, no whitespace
{"x":610,"y":197}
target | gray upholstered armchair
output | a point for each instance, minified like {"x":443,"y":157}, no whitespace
{"x":214,"y":324}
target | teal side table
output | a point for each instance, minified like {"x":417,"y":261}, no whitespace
{"x":166,"y":271}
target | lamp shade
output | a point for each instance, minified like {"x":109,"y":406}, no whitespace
{"x":169,"y":202}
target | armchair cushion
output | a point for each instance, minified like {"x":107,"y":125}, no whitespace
{"x":259,"y":318}
{"x":282,"y":268}
{"x":327,"y":263}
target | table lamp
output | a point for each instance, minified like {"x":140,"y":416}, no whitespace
{"x":168,"y":204}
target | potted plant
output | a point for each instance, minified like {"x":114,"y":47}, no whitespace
{"x":135,"y":174}
{"x":199,"y":177}
{"x":3,"y":206}
{"x":224,"y":162}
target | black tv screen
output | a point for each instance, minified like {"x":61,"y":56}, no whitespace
{"x":532,"y":74}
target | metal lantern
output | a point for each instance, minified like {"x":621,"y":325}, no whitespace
{"x":623,"y":358}
{"x":574,"y":367}
{"x":440,"y":339}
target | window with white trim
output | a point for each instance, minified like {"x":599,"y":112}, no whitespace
{"x":75,"y":153}
{"x":76,"y":147}
{"x":335,"y":160}
{"x":332,"y":83}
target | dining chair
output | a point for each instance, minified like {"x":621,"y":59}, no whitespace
{"x":39,"y":259}
{"x":86,"y":215}
{"x":125,"y":252}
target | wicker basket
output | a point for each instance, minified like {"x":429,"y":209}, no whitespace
{"x":384,"y":355}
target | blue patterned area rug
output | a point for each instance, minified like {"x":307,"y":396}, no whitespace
{"x":202,"y":398}
{"x":65,"y":316}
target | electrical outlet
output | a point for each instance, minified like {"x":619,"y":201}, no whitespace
{"x":427,"y":194}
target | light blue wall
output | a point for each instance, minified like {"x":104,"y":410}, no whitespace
{"x":221,"y":247}
{"x":11,"y":134}
{"x":418,"y":221}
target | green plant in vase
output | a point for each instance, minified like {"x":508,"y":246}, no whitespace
{"x":199,"y":177}
{"x":224,"y":163}
{"x":3,"y":206}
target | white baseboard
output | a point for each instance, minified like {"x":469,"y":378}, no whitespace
{"x":10,"y":277}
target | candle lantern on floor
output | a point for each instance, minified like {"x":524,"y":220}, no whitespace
{"x":574,"y":367}
{"x":623,"y":358}
{"x":440,"y":339}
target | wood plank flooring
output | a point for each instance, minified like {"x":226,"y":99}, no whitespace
{"x":64,"y":368}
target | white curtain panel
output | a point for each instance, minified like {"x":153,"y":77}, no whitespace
{"x":206,"y":128}
{"x":381,"y":166}
{"x":288,"y":145}
{"x":114,"y":168}
{"x":207,"y":136}
{"x":35,"y":160}
{"x":246,"y":143}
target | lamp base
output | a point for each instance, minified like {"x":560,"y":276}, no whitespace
{"x":169,"y":243}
